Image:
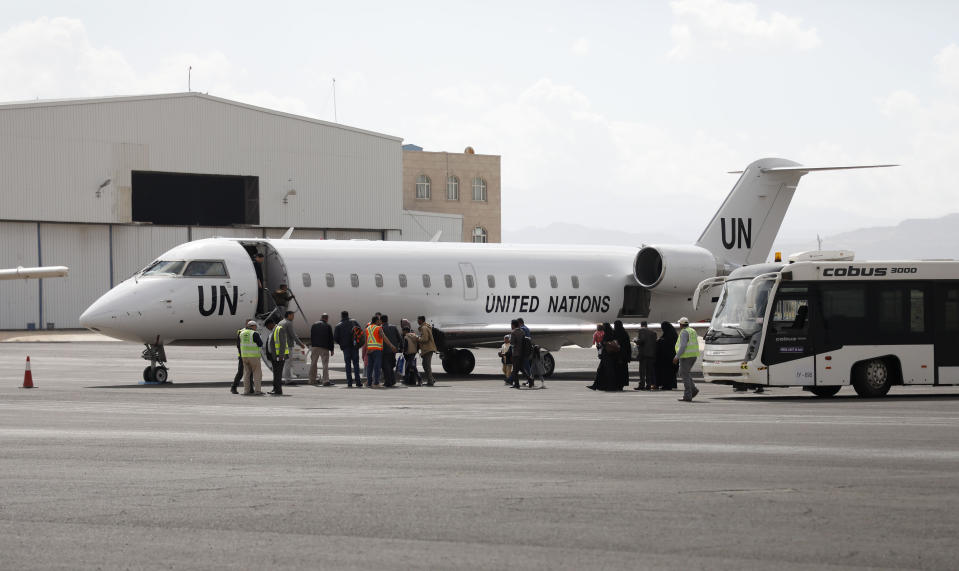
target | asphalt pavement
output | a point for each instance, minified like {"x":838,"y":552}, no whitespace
{"x":99,"y":471}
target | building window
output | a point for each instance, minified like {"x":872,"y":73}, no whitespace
{"x":354,"y":280}
{"x":491,"y":282}
{"x":378,"y":278}
{"x":402,"y":280}
{"x":452,"y":188}
{"x":479,"y":235}
{"x":426,"y":280}
{"x":448,"y":280}
{"x":479,"y":189}
{"x":575,"y":281}
{"x":553,"y":282}
{"x":423,"y":187}
{"x":512,"y":281}
{"x":330,"y":282}
{"x":532,"y":281}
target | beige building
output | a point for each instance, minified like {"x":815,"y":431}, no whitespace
{"x":455,"y":183}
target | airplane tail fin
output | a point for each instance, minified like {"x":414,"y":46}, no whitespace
{"x":743,"y":229}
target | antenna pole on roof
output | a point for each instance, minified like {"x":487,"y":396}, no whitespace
{"x":189,"y":78}
{"x":334,"y":101}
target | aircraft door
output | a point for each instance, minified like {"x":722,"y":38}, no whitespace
{"x":274,"y":273}
{"x":470,"y":289}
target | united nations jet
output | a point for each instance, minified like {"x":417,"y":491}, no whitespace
{"x":201,"y":292}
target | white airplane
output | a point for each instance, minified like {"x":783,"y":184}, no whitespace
{"x":201,"y":292}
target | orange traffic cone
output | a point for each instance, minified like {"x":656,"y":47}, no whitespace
{"x":27,"y":376}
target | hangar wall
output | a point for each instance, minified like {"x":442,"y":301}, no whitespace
{"x":57,"y":154}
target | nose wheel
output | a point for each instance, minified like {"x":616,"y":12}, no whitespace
{"x":156,"y":372}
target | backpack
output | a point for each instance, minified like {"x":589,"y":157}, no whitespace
{"x":359,"y":338}
{"x":527,"y":346}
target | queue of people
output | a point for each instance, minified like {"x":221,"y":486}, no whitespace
{"x":659,"y":358}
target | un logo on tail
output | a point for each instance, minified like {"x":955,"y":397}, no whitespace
{"x":740,"y":233}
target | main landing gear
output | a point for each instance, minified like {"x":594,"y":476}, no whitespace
{"x":156,"y":372}
{"x":458,"y":361}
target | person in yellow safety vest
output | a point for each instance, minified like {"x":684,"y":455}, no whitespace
{"x":281,"y":352}
{"x":374,"y":351}
{"x":687,"y":350}
{"x":239,"y":365}
{"x":250,"y":343}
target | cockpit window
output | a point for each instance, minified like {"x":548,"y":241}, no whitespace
{"x":206,"y":269}
{"x":164,"y":267}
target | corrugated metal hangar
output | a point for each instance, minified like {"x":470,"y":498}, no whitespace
{"x":106,"y":185}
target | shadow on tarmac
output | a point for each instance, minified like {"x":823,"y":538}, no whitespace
{"x":838,"y":398}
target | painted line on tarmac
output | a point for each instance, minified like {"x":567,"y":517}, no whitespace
{"x":88,"y":436}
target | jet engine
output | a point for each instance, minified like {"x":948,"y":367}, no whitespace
{"x":674,"y":269}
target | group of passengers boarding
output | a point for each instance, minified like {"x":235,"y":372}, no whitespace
{"x":378,"y":343}
{"x":519,"y":355}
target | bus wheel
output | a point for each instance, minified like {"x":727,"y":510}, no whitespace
{"x":825,"y":392}
{"x":872,"y":378}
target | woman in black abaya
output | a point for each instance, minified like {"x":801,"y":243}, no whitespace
{"x":607,"y":375}
{"x":665,"y":351}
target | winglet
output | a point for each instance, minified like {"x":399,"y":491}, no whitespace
{"x":287,"y":234}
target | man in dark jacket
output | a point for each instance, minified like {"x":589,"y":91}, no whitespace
{"x":392,"y":334}
{"x":519,"y":355}
{"x":321,"y":347}
{"x":343,"y":336}
{"x":646,"y":348}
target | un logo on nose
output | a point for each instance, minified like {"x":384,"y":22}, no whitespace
{"x":226,"y":302}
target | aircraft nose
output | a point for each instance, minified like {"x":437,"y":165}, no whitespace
{"x":97,"y":317}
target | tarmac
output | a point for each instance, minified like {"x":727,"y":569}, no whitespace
{"x":99,"y":471}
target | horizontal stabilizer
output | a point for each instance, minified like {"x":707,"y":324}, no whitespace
{"x":801,"y":168}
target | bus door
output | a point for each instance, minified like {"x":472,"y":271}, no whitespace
{"x":946,"y":330}
{"x":788,"y":349}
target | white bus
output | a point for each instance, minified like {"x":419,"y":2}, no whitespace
{"x":823,"y":325}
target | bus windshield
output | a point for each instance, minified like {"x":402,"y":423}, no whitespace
{"x":733,"y":321}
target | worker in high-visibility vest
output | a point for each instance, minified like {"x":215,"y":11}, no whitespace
{"x":687,"y":350}
{"x":281,"y":352}
{"x":250,"y":343}
{"x":374,"y":351}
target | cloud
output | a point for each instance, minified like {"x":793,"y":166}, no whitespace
{"x":947,"y":66}
{"x":580,"y":47}
{"x":706,"y":25}
{"x":50,"y":58}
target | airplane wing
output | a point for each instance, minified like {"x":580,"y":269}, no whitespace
{"x":21,"y":273}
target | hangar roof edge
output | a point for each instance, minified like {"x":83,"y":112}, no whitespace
{"x":122,"y":98}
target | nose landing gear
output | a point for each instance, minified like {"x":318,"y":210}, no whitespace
{"x":156,"y":372}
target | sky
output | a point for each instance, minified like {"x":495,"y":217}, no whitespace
{"x":623,"y":116}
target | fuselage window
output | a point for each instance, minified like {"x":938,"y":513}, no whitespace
{"x":330,"y":282}
{"x":354,"y":280}
{"x":575,"y":281}
{"x":469,"y":281}
{"x":448,"y":280}
{"x":307,"y":280}
{"x":426,"y":280}
{"x":205,"y":269}
{"x":402,"y":280}
{"x":512,"y":281}
{"x":553,"y":282}
{"x":532,"y":281}
{"x":378,"y":278}
{"x":491,"y":281}
{"x":164,"y":268}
